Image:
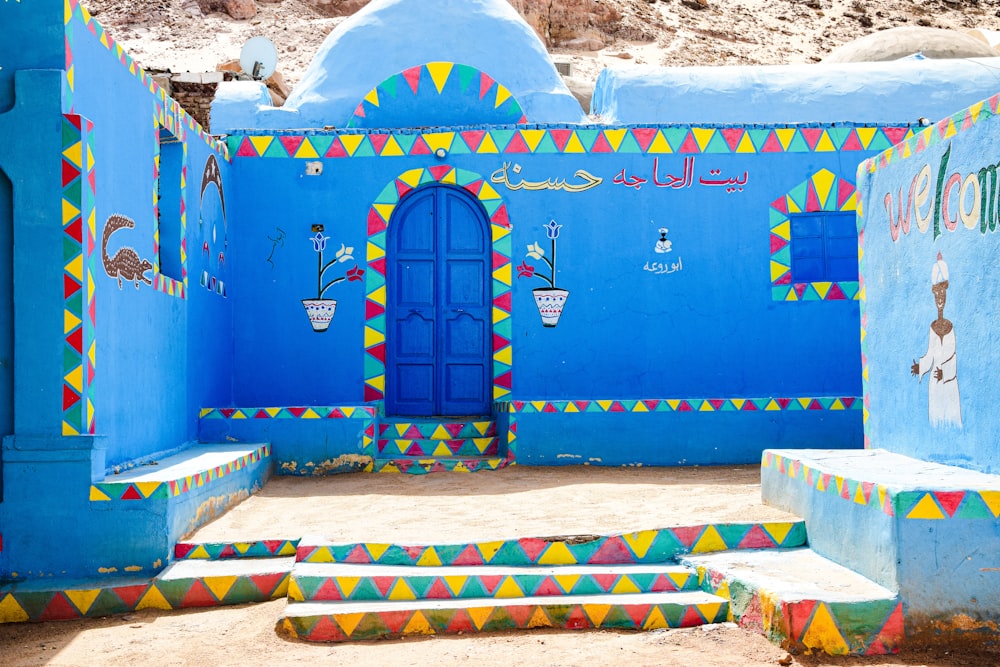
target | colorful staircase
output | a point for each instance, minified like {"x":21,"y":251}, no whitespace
{"x":420,"y":446}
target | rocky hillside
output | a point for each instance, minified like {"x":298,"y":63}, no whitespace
{"x":197,"y":35}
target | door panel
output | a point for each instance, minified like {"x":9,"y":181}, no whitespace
{"x":439,"y":306}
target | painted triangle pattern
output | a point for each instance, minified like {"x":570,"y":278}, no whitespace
{"x":168,"y":118}
{"x":769,"y":404}
{"x":910,"y":504}
{"x":161,"y":489}
{"x":225,"y":550}
{"x":823,"y":191}
{"x":366,"y":412}
{"x":79,"y":311}
{"x":76,"y":18}
{"x":375,"y":295}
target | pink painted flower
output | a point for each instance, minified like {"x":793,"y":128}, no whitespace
{"x":525,"y":270}
{"x":355,"y":274}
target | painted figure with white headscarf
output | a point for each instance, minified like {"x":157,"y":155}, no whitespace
{"x":944,"y":407}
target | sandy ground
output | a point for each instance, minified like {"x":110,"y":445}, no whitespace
{"x":448,"y":508}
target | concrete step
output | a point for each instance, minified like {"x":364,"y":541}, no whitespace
{"x":435,"y":428}
{"x":803,"y":601}
{"x":421,"y":465}
{"x":207,"y":583}
{"x":344,"y":581}
{"x":426,"y":447}
{"x":355,"y":621}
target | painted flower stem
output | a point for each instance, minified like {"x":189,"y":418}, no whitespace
{"x":322,"y":269}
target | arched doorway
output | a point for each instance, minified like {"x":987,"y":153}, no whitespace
{"x":439,"y":302}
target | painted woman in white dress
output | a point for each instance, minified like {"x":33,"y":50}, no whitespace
{"x":944,"y":407}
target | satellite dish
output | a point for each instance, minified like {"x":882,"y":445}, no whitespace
{"x":258,"y":58}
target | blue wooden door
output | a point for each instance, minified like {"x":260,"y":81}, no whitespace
{"x":439,"y":305}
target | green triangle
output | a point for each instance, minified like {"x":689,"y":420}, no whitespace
{"x":809,"y":294}
{"x":389,"y":86}
{"x":499,"y":620}
{"x":70,"y":249}
{"x":459,"y":147}
{"x":73,"y":192}
{"x":673,"y":613}
{"x":395,"y":554}
{"x":233,"y":143}
{"x":780,"y":293}
{"x":675,"y":136}
{"x":33,"y":603}
{"x":513,"y":109}
{"x":529,"y":583}
{"x":466,"y":75}
{"x":439,"y":619}
{"x":547,"y":145}
{"x":799,"y":193}
{"x":594,"y":407}
{"x":585,"y":550}
{"x":70,"y":135}
{"x":587,"y":138}
{"x":559,"y":613}
{"x":838,"y":135}
{"x":447,"y":553}
{"x":798,"y":144}
{"x":630,"y":144}
{"x":718,"y":144}
{"x":474,"y":588}
{"x":321,"y":143}
{"x":728,"y":406}
{"x":244,"y":590}
{"x":880,"y":142}
{"x":511,"y":553}
{"x":276,"y":149}
{"x":664,"y":547}
{"x":106,"y":604}
{"x":370,"y":627}
{"x":643,"y":580}
{"x":587,"y":585}
{"x":366,"y":590}
{"x":973,"y":507}
{"x":784,"y":255}
{"x":777,"y":217}
{"x":501,"y":138}
{"x":365,"y":149}
{"x":617,"y":618}
{"x":308,"y":586}
{"x":628,"y":405}
{"x":174,"y":590}
{"x":759,"y":138}
{"x":732,"y":533}
{"x":405,"y":141}
{"x":339,"y":553}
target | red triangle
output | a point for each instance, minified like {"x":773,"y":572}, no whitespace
{"x":414,"y":552}
{"x":130,"y":595}
{"x":756,"y":538}
{"x":812,"y":201}
{"x":663,"y":584}
{"x":420,"y":147}
{"x":473,"y":138}
{"x":182,"y":549}
{"x":892,"y":630}
{"x":59,"y":609}
{"x":227,"y":412}
{"x":73,"y":118}
{"x":853,"y":143}
{"x":131,"y":493}
{"x":637,"y":612}
{"x":358,"y":555}
{"x":582,"y":405}
{"x":359,"y":111}
{"x":772,"y":145}
{"x":500,"y":217}
{"x":326,"y":630}
{"x":533,"y":547}
{"x":605,"y":581}
{"x":267,"y":583}
{"x":844,"y":192}
{"x":291,"y":143}
{"x":228,"y":552}
{"x":616,"y":407}
{"x":750,"y":406}
{"x":198,"y":596}
{"x":848,"y":401}
{"x":577,"y":619}
{"x":691,"y":618}
{"x":503,"y":301}
{"x":503,"y":380}
{"x":799,"y":615}
{"x":75,"y":340}
{"x":460,"y":623}
{"x":520,"y":614}
{"x":378,"y":141}
{"x":490,"y":582}
{"x":69,"y":173}
{"x":384,"y":584}
{"x":689,"y":145}
{"x":896,"y":134}
{"x":644,"y":136}
{"x":814,"y":405}
{"x":70,"y":286}
{"x":716,"y":403}
{"x":612,"y":551}
{"x":378,"y":352}
{"x":561,"y":138}
{"x":845,"y":491}
{"x":469,"y":556}
{"x":413,"y":433}
{"x":261,"y":414}
{"x":516,"y":145}
{"x":783,"y":402}
{"x":402,"y":188}
{"x":601,"y":145}
{"x":246,"y":149}
{"x":438,"y":591}
{"x":950,"y":500}
{"x":777,"y":243}
{"x":733,"y":135}
{"x":336,"y":149}
{"x":453,"y":429}
{"x":378,"y":266}
{"x":684,"y":407}
{"x":440,"y":171}
{"x":551,"y":408}
{"x":412,"y":77}
{"x":475,"y":187}
{"x":835,"y":294}
{"x":297,"y":412}
{"x":547,"y":587}
{"x":395,"y":620}
{"x":687,"y":535}
{"x":485,"y":83}
{"x":273,"y":546}
{"x":812,"y":136}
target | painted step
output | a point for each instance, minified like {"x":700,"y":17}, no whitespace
{"x":356,"y":621}
{"x":803,"y":601}
{"x":225,"y":550}
{"x":208,"y":583}
{"x":421,"y":465}
{"x":436,"y":429}
{"x":425,"y":448}
{"x":345,"y":581}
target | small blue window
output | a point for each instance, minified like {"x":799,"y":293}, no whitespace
{"x":824,"y":247}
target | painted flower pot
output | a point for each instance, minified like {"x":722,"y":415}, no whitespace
{"x":550,"y":302}
{"x":320,"y":312}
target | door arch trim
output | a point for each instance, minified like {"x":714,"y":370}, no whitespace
{"x":379,"y":216}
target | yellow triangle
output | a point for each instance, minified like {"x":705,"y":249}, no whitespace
{"x":153,"y":599}
{"x":68,"y":212}
{"x":673,"y":403}
{"x":859,"y":495}
{"x":574,"y":145}
{"x":320,"y":556}
{"x":557,"y":554}
{"x":455,"y":584}
{"x":738,"y":402}
{"x":436,"y":140}
{"x":777,"y":270}
{"x":348,"y":622}
{"x":378,"y":296}
{"x":783,"y":231}
{"x":539,"y":619}
{"x":865,"y":135}
{"x":992,"y":500}
{"x":451,"y":178}
{"x":384,"y":210}
{"x":401,"y":591}
{"x":839,"y":482}
{"x":778,"y":531}
{"x":503,"y":274}
{"x":351,"y":142}
{"x":346,"y":585}
{"x":441,"y":433}
{"x":479,"y":615}
{"x":533,"y":137}
{"x":11,"y":611}
{"x":926,"y":509}
{"x":680,"y":579}
{"x":148,"y":488}
{"x":70,"y":321}
{"x":373,"y":337}
{"x":851,"y":203}
{"x":640,"y":407}
{"x":482,"y":427}
{"x":823,"y":181}
{"x":509,"y":589}
{"x":199,"y":553}
{"x":605,"y":405}
{"x":571,"y":407}
{"x":597,"y":613}
{"x":745,"y":145}
{"x":659,"y":144}
{"x":429,"y":557}
{"x":951,"y":131}
{"x":710,"y":540}
{"x":294,"y":592}
{"x":440,"y":72}
{"x":376,"y":549}
{"x":710,"y":609}
{"x":412,"y":177}
{"x":441,"y":450}
{"x":538,"y":405}
{"x":624,"y":586}
{"x":392,"y":148}
{"x":75,"y":154}
{"x":566,"y":581}
{"x":975,"y":110}
{"x":489,"y":549}
{"x":220,"y":585}
{"x":418,"y":625}
{"x":83,"y":600}
{"x":97,"y":495}
{"x":706,"y":406}
{"x":655,"y":620}
{"x":372,"y":97}
{"x":306,"y":150}
{"x":272,"y":412}
{"x":487,"y":193}
{"x":499,"y":232}
{"x":615,"y":138}
{"x":703,"y":136}
{"x":502,"y":96}
{"x":772,"y":405}
{"x":499,"y":315}
{"x":824,"y":145}
{"x":487,"y":145}
{"x":785,"y":136}
{"x":262,"y":143}
{"x":824,"y":634}
{"x":640,"y":542}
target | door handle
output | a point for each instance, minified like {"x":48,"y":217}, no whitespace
{"x":458,"y":310}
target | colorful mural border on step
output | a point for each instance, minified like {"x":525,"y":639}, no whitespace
{"x":427,"y":465}
{"x":20,"y":603}
{"x":76,"y":15}
{"x":823,"y":191}
{"x":911,"y":504}
{"x":230,"y":550}
{"x":648,"y":546}
{"x":301,"y":412}
{"x":944,"y":129}
{"x":375,"y":286}
{"x":159,"y":489}
{"x":468,"y":83}
{"x":570,"y":140}
{"x":79,"y":325}
{"x":770,"y":404}
{"x":870,"y":627}
{"x":497,"y":617}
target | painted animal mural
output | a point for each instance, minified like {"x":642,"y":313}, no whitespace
{"x":126,"y":263}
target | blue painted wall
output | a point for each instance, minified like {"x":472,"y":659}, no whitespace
{"x":940,"y":197}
